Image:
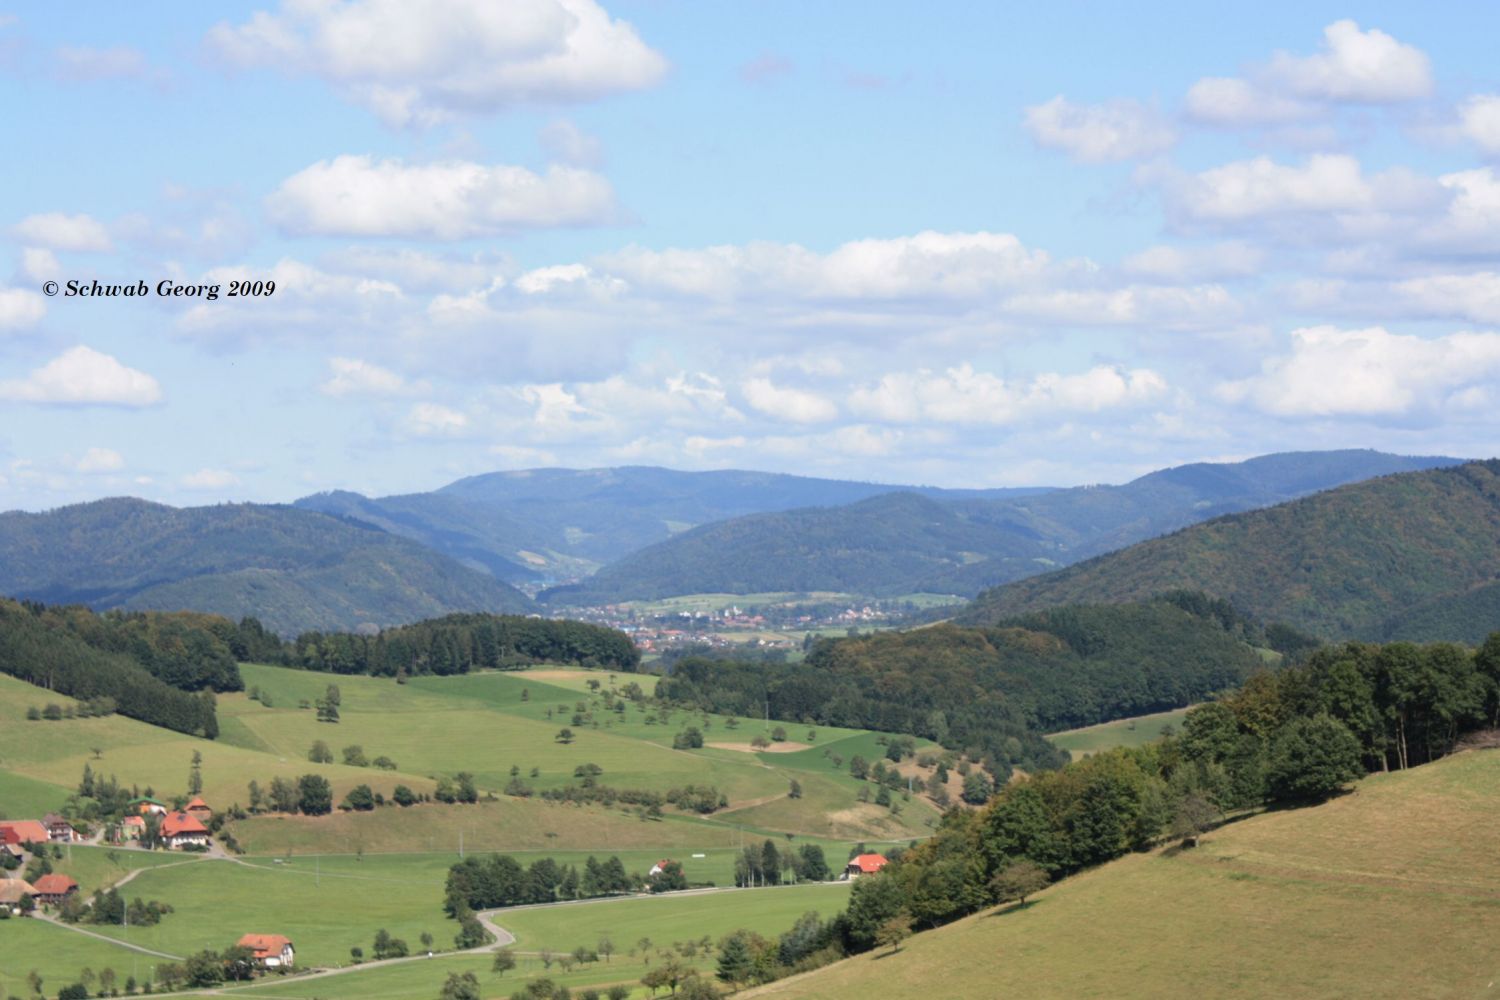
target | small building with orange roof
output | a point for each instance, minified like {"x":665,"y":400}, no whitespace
{"x":271,"y":951}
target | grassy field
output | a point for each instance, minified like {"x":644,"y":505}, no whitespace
{"x":1392,"y":892}
{"x":1132,"y":732}
{"x":57,"y":955}
{"x":27,"y":798}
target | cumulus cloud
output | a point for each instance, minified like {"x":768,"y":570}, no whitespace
{"x":420,"y":64}
{"x":1474,"y":297}
{"x":435,"y":420}
{"x":1366,"y":67}
{"x":1353,"y":67}
{"x":1162,"y":306}
{"x":786,"y":403}
{"x":1369,"y":373}
{"x":1229,"y":101}
{"x":38,"y":264}
{"x":58,"y":231}
{"x":453,"y":200}
{"x":1196,"y":263}
{"x":962,"y":395}
{"x":20,"y":308}
{"x":1097,"y":133}
{"x":81,"y":376}
{"x":97,"y":460}
{"x":929,"y":265}
{"x":1479,"y":118}
{"x":353,"y":377}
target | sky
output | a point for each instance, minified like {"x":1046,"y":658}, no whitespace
{"x":957,"y":244}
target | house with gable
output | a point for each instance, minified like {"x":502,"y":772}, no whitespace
{"x":271,"y":951}
{"x":180,"y":829}
{"x":865,"y":864}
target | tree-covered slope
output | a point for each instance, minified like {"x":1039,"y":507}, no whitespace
{"x":1381,"y":559}
{"x":564,"y":523}
{"x":292,"y":569}
{"x":962,"y":544}
{"x":878,"y":546}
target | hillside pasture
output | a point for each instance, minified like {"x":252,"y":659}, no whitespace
{"x":1132,"y":732}
{"x":1389,"y":892}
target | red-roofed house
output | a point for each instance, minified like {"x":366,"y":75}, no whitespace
{"x":865,"y":864}
{"x":660,"y":866}
{"x":55,"y":888}
{"x":23,"y":831}
{"x":131,"y":828}
{"x":179,"y":830}
{"x":272,"y":951}
{"x":199,"y":809}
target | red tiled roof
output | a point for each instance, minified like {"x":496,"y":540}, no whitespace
{"x":23,"y":831}
{"x":133,"y":821}
{"x":869,"y":863}
{"x":55,"y":885}
{"x":265,"y":945}
{"x":176,"y":824}
{"x":197,"y":803}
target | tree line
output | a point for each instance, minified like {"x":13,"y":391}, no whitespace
{"x":496,"y":880}
{"x":41,"y":646}
{"x":1292,"y":736}
{"x":459,"y":643}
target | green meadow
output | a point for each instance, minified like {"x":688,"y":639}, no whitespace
{"x":1133,"y":732}
{"x":1390,"y":892}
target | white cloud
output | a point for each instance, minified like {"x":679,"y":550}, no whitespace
{"x":39,"y":264}
{"x":100,"y":460}
{"x":1479,"y":118}
{"x":1365,"y":67}
{"x":1097,"y":133}
{"x":929,"y":265}
{"x":58,"y":231}
{"x":419,"y":64}
{"x":435,"y":420}
{"x":960,"y":395}
{"x":414,"y":269}
{"x":453,"y":200}
{"x":786,"y":403}
{"x":1229,"y":101}
{"x":1370,"y":372}
{"x":20,"y":308}
{"x":1152,"y":305}
{"x":1474,"y":297}
{"x":353,"y":377}
{"x":82,"y":375}
{"x":209,"y":479}
{"x":1196,"y":263}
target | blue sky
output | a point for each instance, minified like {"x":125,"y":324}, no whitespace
{"x":963,"y":244}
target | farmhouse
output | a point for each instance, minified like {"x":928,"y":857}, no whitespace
{"x":131,"y":828}
{"x":146,"y":806}
{"x":12,"y":891}
{"x":180,"y":830}
{"x":59,"y":830}
{"x":272,"y":951}
{"x":55,"y":888}
{"x":199,"y":809}
{"x":23,"y":831}
{"x":865,"y":864}
{"x":660,"y":866}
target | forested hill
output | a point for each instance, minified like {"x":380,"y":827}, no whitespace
{"x":558,"y":523}
{"x":1415,"y":555}
{"x":959,"y":545}
{"x":294,"y":570}
{"x":996,"y":690}
{"x":880,"y":546}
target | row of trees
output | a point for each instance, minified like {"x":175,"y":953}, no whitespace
{"x":40,"y":646}
{"x":457,"y":644}
{"x":486,"y":882}
{"x":1292,"y":736}
{"x":768,"y":865}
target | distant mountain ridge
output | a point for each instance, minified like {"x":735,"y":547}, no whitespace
{"x":962,"y":544}
{"x":1412,"y":555}
{"x":561,"y":523}
{"x":292,"y":569}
